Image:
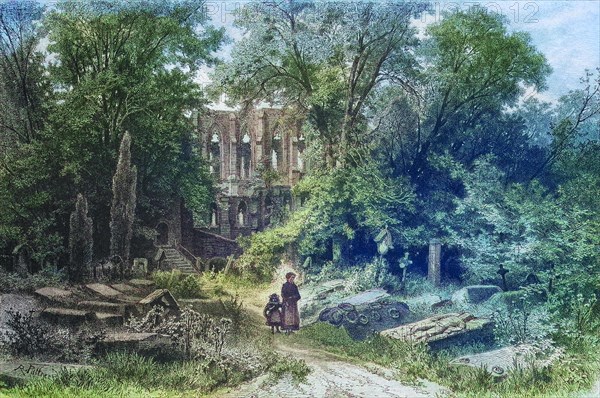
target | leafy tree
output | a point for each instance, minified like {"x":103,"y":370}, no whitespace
{"x":122,"y":211}
{"x":127,"y":66}
{"x":22,"y":85}
{"x":474,"y":68}
{"x":25,"y":180}
{"x":325,"y":58}
{"x":80,"y":241}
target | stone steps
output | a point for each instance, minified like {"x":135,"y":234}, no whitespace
{"x":178,"y":261}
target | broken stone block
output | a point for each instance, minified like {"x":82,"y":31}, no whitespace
{"x":475,"y":294}
{"x":448,"y":329}
{"x":103,"y":290}
{"x":18,"y":372}
{"x":162,"y":298}
{"x":140,"y":283}
{"x":147,"y":344}
{"x":54,"y":294}
{"x":124,"y":288}
{"x":102,"y":306}
{"x":108,"y":319}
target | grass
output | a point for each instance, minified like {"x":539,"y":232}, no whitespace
{"x":127,"y":375}
{"x":576,"y":371}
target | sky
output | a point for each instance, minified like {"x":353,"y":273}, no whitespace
{"x":566,"y":32}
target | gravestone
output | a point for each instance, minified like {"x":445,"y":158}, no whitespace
{"x":18,"y":372}
{"x":475,"y":294}
{"x":140,"y":267}
{"x":434,"y":270}
{"x":103,"y":290}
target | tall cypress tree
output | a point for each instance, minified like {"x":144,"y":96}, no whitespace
{"x":80,"y":241}
{"x":122,"y":211}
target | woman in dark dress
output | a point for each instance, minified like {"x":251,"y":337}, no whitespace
{"x":290,"y":296}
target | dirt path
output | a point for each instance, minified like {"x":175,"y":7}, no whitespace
{"x":333,"y":377}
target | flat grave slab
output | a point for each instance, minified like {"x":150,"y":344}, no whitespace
{"x":102,"y":306}
{"x":103,"y":290}
{"x":499,"y":362}
{"x":146,"y":344}
{"x":66,"y":315}
{"x":53,"y":294}
{"x":19,"y":372}
{"x":366,"y":297}
{"x":124,"y":288}
{"x":141,"y":283}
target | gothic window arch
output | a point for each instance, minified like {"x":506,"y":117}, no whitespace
{"x":214,"y":215}
{"x":214,"y":154}
{"x":245,"y":156}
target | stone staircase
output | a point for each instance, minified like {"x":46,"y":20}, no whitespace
{"x":176,"y":260}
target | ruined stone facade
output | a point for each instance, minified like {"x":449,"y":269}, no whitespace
{"x":256,"y":156}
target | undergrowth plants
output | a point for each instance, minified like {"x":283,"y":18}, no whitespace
{"x":545,"y":377}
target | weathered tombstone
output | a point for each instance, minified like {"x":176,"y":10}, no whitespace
{"x":22,"y":257}
{"x":434,"y":271}
{"x":53,"y":294}
{"x":160,"y":258}
{"x":475,"y":294}
{"x":140,"y":267}
{"x":162,"y":298}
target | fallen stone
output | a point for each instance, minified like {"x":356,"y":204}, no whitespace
{"x":20,"y":372}
{"x":366,"y":297}
{"x":140,"y":283}
{"x":54,"y":294}
{"x":124,"y":288}
{"x":448,"y":329}
{"x":103,"y":290}
{"x":162,"y":298}
{"x":475,"y":294}
{"x":66,"y":315}
{"x":109,"y":319}
{"x":146,"y":344}
{"x":102,"y":306}
{"x":499,"y":362}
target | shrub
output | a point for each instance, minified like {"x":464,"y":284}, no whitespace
{"x":13,"y":282}
{"x":26,"y":335}
{"x":179,"y":284}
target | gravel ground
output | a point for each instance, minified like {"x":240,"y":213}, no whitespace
{"x":333,"y":378}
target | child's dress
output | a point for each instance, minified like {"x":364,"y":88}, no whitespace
{"x":272,"y":313}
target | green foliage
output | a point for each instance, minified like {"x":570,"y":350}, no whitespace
{"x":13,"y":282}
{"x":179,"y":284}
{"x":130,"y":375}
{"x":116,"y":67}
{"x":573,"y":371}
{"x":290,"y":365}
{"x":25,"y":335}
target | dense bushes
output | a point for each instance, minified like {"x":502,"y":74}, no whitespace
{"x":178,"y":283}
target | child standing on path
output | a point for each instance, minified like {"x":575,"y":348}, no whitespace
{"x":272,"y":313}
